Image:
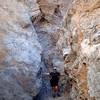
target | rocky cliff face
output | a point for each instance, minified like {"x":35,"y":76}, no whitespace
{"x":83,"y":25}
{"x":20,"y":51}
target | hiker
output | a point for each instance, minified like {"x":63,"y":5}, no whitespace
{"x":54,"y":82}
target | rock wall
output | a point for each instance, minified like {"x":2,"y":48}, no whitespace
{"x":20,"y":51}
{"x":82,"y":23}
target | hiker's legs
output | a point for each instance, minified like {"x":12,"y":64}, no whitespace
{"x":55,"y":91}
{"x":58,"y":91}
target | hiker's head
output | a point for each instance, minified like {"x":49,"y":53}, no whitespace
{"x":54,"y":69}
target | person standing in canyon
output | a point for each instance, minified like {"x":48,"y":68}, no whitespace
{"x":54,"y":78}
{"x":54,"y":82}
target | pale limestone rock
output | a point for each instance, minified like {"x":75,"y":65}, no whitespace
{"x":32,"y":7}
{"x":20,"y":53}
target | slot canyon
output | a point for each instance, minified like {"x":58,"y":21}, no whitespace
{"x":38,"y":35}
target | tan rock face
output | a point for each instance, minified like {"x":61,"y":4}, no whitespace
{"x":81,"y":23}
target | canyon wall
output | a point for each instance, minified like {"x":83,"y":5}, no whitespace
{"x":20,"y":51}
{"x":82,"y":22}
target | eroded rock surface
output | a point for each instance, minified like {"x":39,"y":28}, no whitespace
{"x":19,"y":53}
{"x":83,"y":25}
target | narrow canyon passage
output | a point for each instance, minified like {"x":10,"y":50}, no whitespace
{"x":38,"y":35}
{"x":51,"y":55}
{"x":50,"y":34}
{"x":67,"y":42}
